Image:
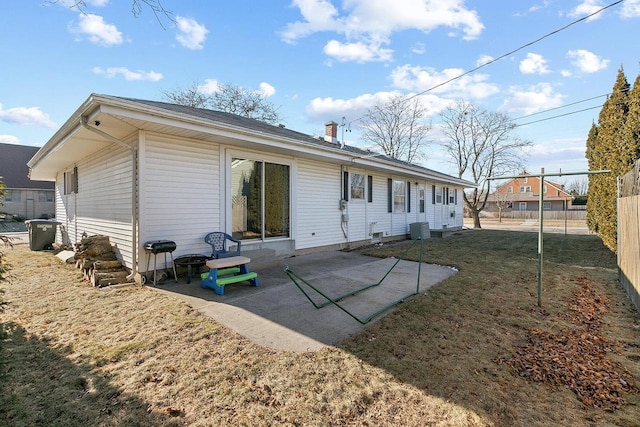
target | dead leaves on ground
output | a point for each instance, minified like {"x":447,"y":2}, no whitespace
{"x":577,"y":358}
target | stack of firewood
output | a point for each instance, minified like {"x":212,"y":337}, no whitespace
{"x":97,"y":260}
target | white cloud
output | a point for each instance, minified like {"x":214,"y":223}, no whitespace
{"x":534,"y":64}
{"x":266,"y":90}
{"x":212,"y":86}
{"x":587,"y":7}
{"x":9,"y":139}
{"x":630,"y":9}
{"x":537,"y":7}
{"x":484,"y":59}
{"x":99,"y":32}
{"x":27,"y":116}
{"x":323,"y":109}
{"x":420,"y":79}
{"x":330,"y":108}
{"x":419,"y":48}
{"x":191,"y":34}
{"x":587,"y":62}
{"x":138,"y":75}
{"x":358,"y":52}
{"x":533,"y":99}
{"x":367,"y":25}
{"x":209,"y":87}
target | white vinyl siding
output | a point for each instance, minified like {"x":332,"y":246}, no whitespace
{"x":102,"y":204}
{"x":103,"y":201}
{"x":317,"y":195}
{"x":180,"y":193}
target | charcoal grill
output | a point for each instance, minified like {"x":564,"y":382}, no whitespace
{"x":160,"y":247}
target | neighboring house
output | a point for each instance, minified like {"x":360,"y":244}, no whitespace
{"x":139,"y":171}
{"x":523,"y":194}
{"x":23,"y":198}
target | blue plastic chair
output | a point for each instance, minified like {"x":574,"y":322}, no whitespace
{"x":219,"y":248}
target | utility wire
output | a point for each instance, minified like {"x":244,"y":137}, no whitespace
{"x":584,"y":18}
{"x":564,"y":106}
{"x":559,"y":115}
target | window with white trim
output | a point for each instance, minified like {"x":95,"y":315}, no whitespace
{"x":525,"y":189}
{"x":71,"y":181}
{"x":399,"y":195}
{"x":357,"y":186}
{"x":546,"y":206}
{"x":260,"y":199}
{"x":438,"y":195}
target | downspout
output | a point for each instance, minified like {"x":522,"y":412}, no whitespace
{"x":134,"y":199}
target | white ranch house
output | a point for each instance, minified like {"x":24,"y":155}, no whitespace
{"x":139,"y":171}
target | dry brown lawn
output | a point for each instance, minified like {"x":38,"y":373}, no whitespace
{"x":73,"y":355}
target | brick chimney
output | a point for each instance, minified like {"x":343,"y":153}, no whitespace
{"x":331,"y":132}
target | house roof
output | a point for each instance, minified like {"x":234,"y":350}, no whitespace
{"x":535,"y":187}
{"x":118,"y":118}
{"x":14,"y":170}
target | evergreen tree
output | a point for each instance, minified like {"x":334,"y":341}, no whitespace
{"x":610,"y":151}
{"x":592,"y":190}
{"x":631,"y":132}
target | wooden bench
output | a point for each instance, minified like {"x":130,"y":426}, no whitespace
{"x":224,"y":271}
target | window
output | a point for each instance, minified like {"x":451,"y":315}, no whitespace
{"x":357,"y":186}
{"x":452,"y":197}
{"x":509,"y":189}
{"x":438,"y":195}
{"x":45,"y":196}
{"x":260,"y":203}
{"x":421,"y":199}
{"x":525,"y":189}
{"x":546,"y":206}
{"x":399,"y":194}
{"x":13,"y":196}
{"x":71,"y":181}
{"x":525,"y":180}
{"x":522,"y":206}
{"x":544,"y":189}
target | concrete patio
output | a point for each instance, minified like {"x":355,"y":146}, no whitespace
{"x":278,"y":315}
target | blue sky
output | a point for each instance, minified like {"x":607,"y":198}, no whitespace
{"x":320,"y":60}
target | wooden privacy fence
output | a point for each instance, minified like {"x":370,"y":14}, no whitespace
{"x":629,"y":233}
{"x":570,"y":215}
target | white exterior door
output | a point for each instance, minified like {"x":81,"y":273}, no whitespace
{"x":422,"y":207}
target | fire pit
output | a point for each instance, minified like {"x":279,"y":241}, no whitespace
{"x":191,"y":261}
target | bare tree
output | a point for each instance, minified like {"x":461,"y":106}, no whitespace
{"x":136,"y":8}
{"x":229,"y":98}
{"x":503,"y":201}
{"x":481,"y":144}
{"x":190,"y":96}
{"x":578,"y":186}
{"x":398,"y":127}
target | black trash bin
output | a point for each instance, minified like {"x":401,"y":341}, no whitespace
{"x":42,"y":233}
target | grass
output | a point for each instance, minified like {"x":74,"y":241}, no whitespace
{"x":75,"y":355}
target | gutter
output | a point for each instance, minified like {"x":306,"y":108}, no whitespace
{"x":134,"y":199}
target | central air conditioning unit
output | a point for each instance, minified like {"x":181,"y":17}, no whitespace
{"x":419,"y":231}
